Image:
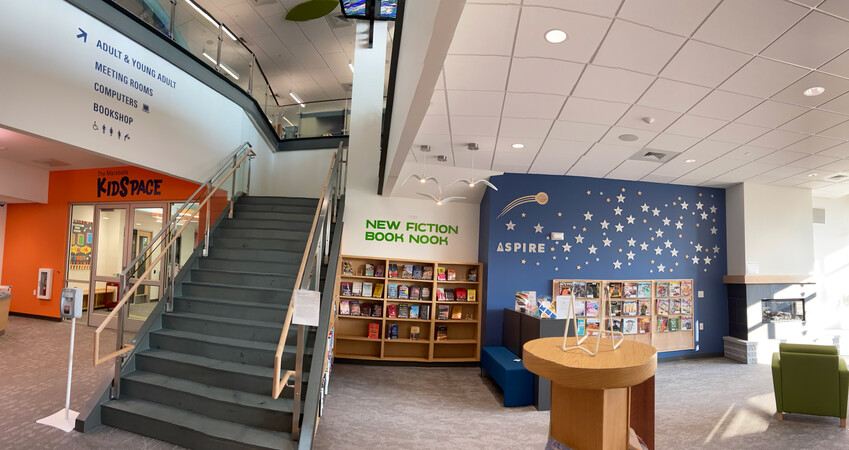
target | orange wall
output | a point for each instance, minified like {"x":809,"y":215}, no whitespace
{"x":36,"y":234}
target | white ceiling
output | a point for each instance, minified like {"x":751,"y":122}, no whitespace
{"x":723,"y":80}
{"x":37,"y":152}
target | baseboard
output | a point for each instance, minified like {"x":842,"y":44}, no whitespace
{"x":692,"y":356}
{"x":35,"y":316}
{"x":366,"y":362}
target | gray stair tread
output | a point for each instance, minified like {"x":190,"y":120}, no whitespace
{"x":235,"y":286}
{"x":212,"y":427}
{"x":227,"y":366}
{"x":304,"y":220}
{"x":246,"y":322}
{"x":213,"y":393}
{"x":238,"y":260}
{"x":239,"y":303}
{"x":257,"y":250}
{"x":252,"y":238}
{"x":257,"y":345}
{"x":242,"y":272}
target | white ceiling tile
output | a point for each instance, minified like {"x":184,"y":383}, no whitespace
{"x":321,"y":36}
{"x":505,"y":154}
{"x":748,"y":153}
{"x":738,"y":133}
{"x":657,"y":178}
{"x":481,"y":30}
{"x":814,"y":121}
{"x":480,"y":158}
{"x":710,"y":149}
{"x":606,"y":8}
{"x":524,"y":128}
{"x":813,"y":161}
{"x":576,"y":131}
{"x":635,"y":116}
{"x":505,"y":2}
{"x":615,"y":85}
{"x":585,"y":34}
{"x":626,"y":43}
{"x":777,"y":139}
{"x":474,"y":125}
{"x":692,"y":180}
{"x":672,"y":142}
{"x":838,"y":65}
{"x":632,"y":170}
{"x":713,"y":169}
{"x":763,"y":78}
{"x":593,"y":111}
{"x":475,"y":103}
{"x":813,"y":144}
{"x":813,"y":184}
{"x":788,"y":182}
{"x":434,"y":125}
{"x":510,"y":168}
{"x":532,"y":106}
{"x":673,"y":16}
{"x":696,"y":126}
{"x":749,"y":25}
{"x":741,"y":173}
{"x":724,"y":105}
{"x":837,"y":166}
{"x":543,"y":76}
{"x":834,"y":87}
{"x":679,"y":166}
{"x":839,"y":151}
{"x":557,"y":156}
{"x":771,"y":114}
{"x":437,"y":104}
{"x":476,"y":73}
{"x":828,"y":33}
{"x":673,"y":95}
{"x":600,"y":160}
{"x":838,"y":131}
{"x":782,"y":157}
{"x":439,"y":143}
{"x":643,"y":137}
{"x":704,"y":64}
{"x":785,"y":171}
{"x":840,"y":104}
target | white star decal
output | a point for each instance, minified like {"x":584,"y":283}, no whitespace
{"x":607,"y":242}
{"x":510,"y":226}
{"x":631,"y":242}
{"x":567,"y":248}
{"x":695,"y":259}
{"x":707,"y":259}
{"x":713,"y":209}
{"x":667,"y":243}
{"x":716,"y":249}
{"x":538,"y":228}
{"x":579,"y":239}
{"x":679,"y":225}
{"x":661,"y":268}
{"x":658,"y":251}
{"x":698,"y":247}
{"x":619,"y":227}
{"x":630,"y":219}
{"x":674,"y":252}
{"x":645,"y":207}
{"x":617,"y":264}
{"x":592,"y":249}
{"x":604,"y":224}
{"x":588,"y":216}
{"x":659,"y":233}
{"x":644,"y":246}
{"x":655,"y":212}
{"x":620,"y":198}
{"x":713,"y":230}
{"x":699,"y":205}
{"x":617,"y":211}
{"x":684,"y":205}
{"x":666,"y":221}
{"x":630,"y":255}
{"x":704,"y":215}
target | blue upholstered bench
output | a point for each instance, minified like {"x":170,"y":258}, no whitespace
{"x":510,"y":374}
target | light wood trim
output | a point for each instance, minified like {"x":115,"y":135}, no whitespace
{"x":768,"y":279}
{"x":279,"y":384}
{"x":135,"y":286}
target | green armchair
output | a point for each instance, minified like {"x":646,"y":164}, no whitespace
{"x":810,"y":379}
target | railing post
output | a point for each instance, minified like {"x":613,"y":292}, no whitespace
{"x":172,"y":274}
{"x":296,"y":397}
{"x":206,"y":232}
{"x":220,"y":41}
{"x":119,"y":338}
{"x":233,"y":185}
{"x":248,"y":187}
{"x":251,"y":72}
{"x":173,"y":17}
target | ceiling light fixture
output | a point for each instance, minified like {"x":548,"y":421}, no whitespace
{"x":423,"y":178}
{"x":628,"y":137}
{"x":297,"y":99}
{"x":648,"y":120}
{"x":518,"y":145}
{"x":351,"y":66}
{"x":813,"y":174}
{"x":690,"y":161}
{"x":556,"y":36}
{"x":210,"y":19}
{"x":223,"y":67}
{"x":288,"y":121}
{"x":229,"y":33}
{"x":473,"y":147}
{"x":813,"y":91}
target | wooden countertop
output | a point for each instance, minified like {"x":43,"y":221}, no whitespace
{"x":629,"y":365}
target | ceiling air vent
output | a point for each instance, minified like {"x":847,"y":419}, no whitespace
{"x":652,"y":155}
{"x":837,"y":177}
{"x":50,"y":162}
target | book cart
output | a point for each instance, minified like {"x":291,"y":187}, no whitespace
{"x":448,"y":330}
{"x":655,"y":312}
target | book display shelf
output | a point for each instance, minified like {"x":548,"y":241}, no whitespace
{"x":655,"y":312}
{"x":407,"y":310}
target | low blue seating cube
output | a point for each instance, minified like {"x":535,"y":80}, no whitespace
{"x":507,"y":370}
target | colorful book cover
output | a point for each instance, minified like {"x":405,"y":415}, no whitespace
{"x":347,"y":268}
{"x":378,"y":290}
{"x":629,"y":308}
{"x":686,"y":322}
{"x":580,"y":308}
{"x":407,"y":271}
{"x":393,"y":271}
{"x":367,"y":289}
{"x":418,"y":271}
{"x":630,"y":290}
{"x":582,"y":326}
{"x":456,"y":312}
{"x":355,"y":308}
{"x":593,"y":325}
{"x":686,"y":288}
{"x":376,"y":311}
{"x":440,"y":274}
{"x":415,"y":292}
{"x":629,"y":326}
{"x":414,"y":333}
{"x":526,"y":302}
{"x":440,"y":294}
{"x":579,"y":289}
{"x":346,"y":288}
{"x":425,"y":293}
{"x":674,"y":289}
{"x":472,"y":295}
{"x":392,"y":290}
{"x":369,"y":271}
{"x":644,"y":324}
{"x":592,"y":309}
{"x":460,"y":294}
{"x":425,"y":312}
{"x":645,"y":307}
{"x":663,"y":307}
{"x":442,"y":332}
{"x":357,"y":289}
{"x":564,"y":287}
{"x":393,"y":331}
{"x":403,"y":291}
{"x":374,"y":331}
{"x":615,"y":290}
{"x":674,"y":323}
{"x":344,"y":308}
{"x":391,"y":310}
{"x":365,"y":309}
{"x":592,"y":290}
{"x":675,"y":306}
{"x":403,"y":311}
{"x":414,"y":311}
{"x":473,"y":274}
{"x":662,"y":324}
{"x":380,"y":271}
{"x":546,"y":308}
{"x":644,"y":289}
{"x":686,"y":306}
{"x":662,"y":289}
{"x":616,"y":325}
{"x":451,"y":274}
{"x":427,"y":273}
{"x":615,"y":308}
{"x":442,"y":312}
{"x":449,"y":295}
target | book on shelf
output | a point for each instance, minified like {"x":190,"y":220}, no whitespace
{"x":440,"y":274}
{"x":391,"y":310}
{"x":380,"y":270}
{"x":344,"y":307}
{"x":407,"y":271}
{"x":425,"y":312}
{"x":629,"y":308}
{"x":662,"y":288}
{"x":347,"y":268}
{"x":346,"y":288}
{"x":686,"y":306}
{"x":393,"y":331}
{"x":593,"y":324}
{"x":686,"y":323}
{"x":369,"y":270}
{"x":582,"y":326}
{"x":392,"y":290}
{"x":630,"y":290}
{"x":393,"y":271}
{"x":415,"y":293}
{"x":367,"y":289}
{"x":442,"y":312}
{"x":425,"y":293}
{"x":644,"y":325}
{"x":686,"y":288}
{"x":674,"y":289}
{"x":365,"y":309}
{"x":471,"y":295}
{"x":374,"y":331}
{"x":675,"y":306}
{"x":564,"y":288}
{"x":473,"y":274}
{"x":357,"y":289}
{"x":414,"y":333}
{"x":378,"y":290}
{"x":629,"y":326}
{"x":449,"y":295}
{"x":376,"y":310}
{"x":403,"y":311}
{"x":456,"y":312}
{"x":645,"y":307}
{"x":418,"y":272}
{"x":644,"y":289}
{"x":615,"y":308}
{"x":579,"y":289}
{"x":355,"y":307}
{"x":616,"y":325}
{"x":460,"y":294}
{"x":451,"y":274}
{"x":403,"y":291}
{"x":427,"y":273}
{"x":440,"y":294}
{"x":615,"y":290}
{"x":442,"y":332}
{"x":662,"y":324}
{"x":580,"y":308}
{"x":663,"y":307}
{"x":592,"y":308}
{"x":674,"y":323}
{"x":414,"y":311}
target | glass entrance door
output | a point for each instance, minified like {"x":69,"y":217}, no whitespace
{"x":110,"y":257}
{"x":146,"y":223}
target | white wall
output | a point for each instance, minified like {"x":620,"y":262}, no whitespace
{"x":23,"y":183}
{"x":735,"y":230}
{"x":292,"y":174}
{"x":779,"y":229}
{"x":831,"y":260}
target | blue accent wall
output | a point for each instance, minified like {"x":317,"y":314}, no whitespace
{"x":613,"y":230}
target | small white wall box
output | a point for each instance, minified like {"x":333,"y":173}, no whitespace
{"x":557,"y":236}
{"x":71,"y":306}
{"x":45,"y":284}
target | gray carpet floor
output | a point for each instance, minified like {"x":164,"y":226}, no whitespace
{"x":709,"y":403}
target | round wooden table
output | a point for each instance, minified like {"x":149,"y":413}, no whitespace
{"x":590,"y":395}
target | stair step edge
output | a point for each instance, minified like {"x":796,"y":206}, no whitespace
{"x":230,"y":320}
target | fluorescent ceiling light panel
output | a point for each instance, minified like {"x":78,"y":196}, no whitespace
{"x":228,"y":32}
{"x":297,"y":99}
{"x":229,"y":71}
{"x":202,"y":12}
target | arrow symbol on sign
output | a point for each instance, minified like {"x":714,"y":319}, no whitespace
{"x":83,"y":35}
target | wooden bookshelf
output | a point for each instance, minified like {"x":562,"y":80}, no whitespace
{"x":462,"y":343}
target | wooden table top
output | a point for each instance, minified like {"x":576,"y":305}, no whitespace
{"x":629,"y":365}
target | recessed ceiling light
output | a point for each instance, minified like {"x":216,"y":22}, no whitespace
{"x":518,"y":145}
{"x":813,"y":174}
{"x":628,"y":137}
{"x":648,"y":120}
{"x":690,"y":161}
{"x":556,"y":36}
{"x":814,"y":91}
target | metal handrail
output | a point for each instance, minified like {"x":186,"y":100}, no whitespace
{"x":125,"y":276}
{"x":319,"y":233}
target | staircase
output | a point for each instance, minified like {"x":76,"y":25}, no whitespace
{"x":205,"y":380}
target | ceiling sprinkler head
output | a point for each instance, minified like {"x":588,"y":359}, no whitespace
{"x":648,"y":120}
{"x":473,"y":146}
{"x":441,"y":158}
{"x":425,"y":148}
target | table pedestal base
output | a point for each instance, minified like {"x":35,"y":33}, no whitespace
{"x":590,"y":418}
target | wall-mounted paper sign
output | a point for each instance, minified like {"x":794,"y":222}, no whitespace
{"x":307,"y":305}
{"x":557,"y":236}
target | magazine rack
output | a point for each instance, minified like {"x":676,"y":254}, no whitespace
{"x":601,"y":333}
